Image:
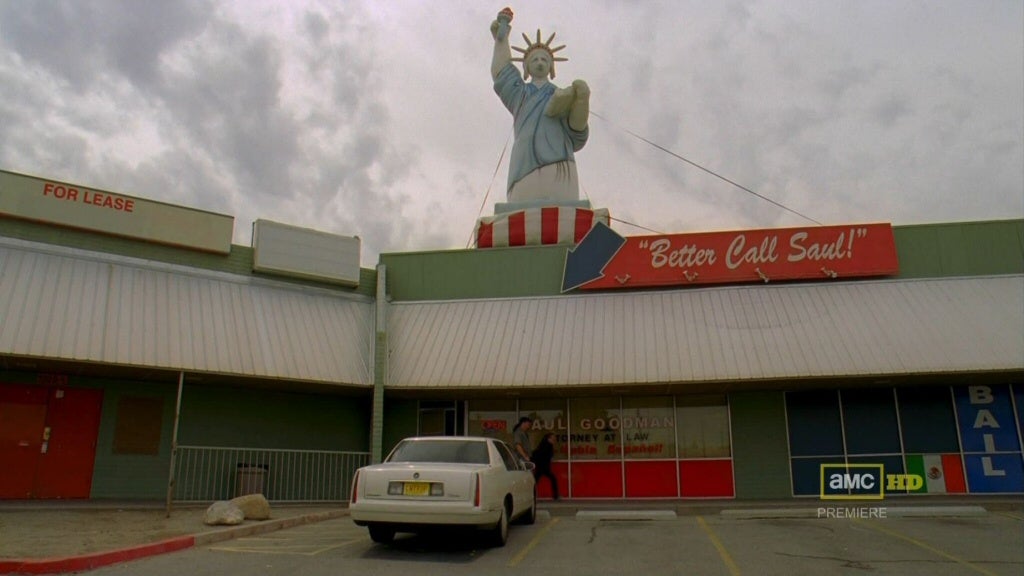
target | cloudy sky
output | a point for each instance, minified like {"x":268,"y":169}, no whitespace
{"x":378,"y":118}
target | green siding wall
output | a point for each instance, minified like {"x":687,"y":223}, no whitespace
{"x":924,"y":251}
{"x":234,"y":417}
{"x":248,"y":418}
{"x":126,"y":476}
{"x":458,"y":274}
{"x":961,"y":249}
{"x":131,"y":476}
{"x":239,"y":261}
{"x":15,"y":377}
{"x":215,"y":416}
{"x":759,"y":447}
{"x":399,"y":421}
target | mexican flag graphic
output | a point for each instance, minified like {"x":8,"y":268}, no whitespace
{"x":942,"y":473}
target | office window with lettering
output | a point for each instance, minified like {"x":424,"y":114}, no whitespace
{"x":648,"y":428}
{"x":492,"y":418}
{"x":549,"y":417}
{"x":702,"y":424}
{"x":595,"y":429}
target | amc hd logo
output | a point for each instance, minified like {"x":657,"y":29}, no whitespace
{"x":863,"y":482}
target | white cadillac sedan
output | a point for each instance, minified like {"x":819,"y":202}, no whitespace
{"x":449,"y":481}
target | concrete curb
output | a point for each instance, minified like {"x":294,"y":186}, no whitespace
{"x":95,"y":560}
{"x":213,"y":536}
{"x":626,"y":515}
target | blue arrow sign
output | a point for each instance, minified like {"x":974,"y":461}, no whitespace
{"x":586,"y":262}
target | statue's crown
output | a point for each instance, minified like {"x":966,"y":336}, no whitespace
{"x":538,"y":45}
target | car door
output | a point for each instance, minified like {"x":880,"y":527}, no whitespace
{"x":520,"y":479}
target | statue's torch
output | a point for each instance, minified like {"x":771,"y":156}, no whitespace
{"x":504,"y":19}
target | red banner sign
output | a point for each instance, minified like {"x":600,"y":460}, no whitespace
{"x":823,"y":252}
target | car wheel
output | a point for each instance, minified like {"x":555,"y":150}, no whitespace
{"x":381,"y":534}
{"x":499,"y":534}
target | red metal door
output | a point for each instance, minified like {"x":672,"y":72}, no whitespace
{"x":22,"y":419}
{"x":47,"y":440}
{"x":73,"y":421}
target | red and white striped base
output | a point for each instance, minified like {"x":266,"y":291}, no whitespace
{"x":534,"y":226}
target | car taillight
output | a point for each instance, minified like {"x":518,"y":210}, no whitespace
{"x":355,"y":488}
{"x":476,"y":497}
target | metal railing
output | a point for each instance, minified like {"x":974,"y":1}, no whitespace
{"x":209,"y":473}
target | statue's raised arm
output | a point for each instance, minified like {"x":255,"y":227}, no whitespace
{"x":550,"y":122}
{"x":502,"y":52}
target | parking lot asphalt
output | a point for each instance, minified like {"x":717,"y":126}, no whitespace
{"x":947,"y":535}
{"x":46,"y":537}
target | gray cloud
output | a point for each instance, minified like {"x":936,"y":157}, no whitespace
{"x":243,"y":123}
{"x":378,"y":119}
{"x":226,"y":99}
{"x":82,"y":41}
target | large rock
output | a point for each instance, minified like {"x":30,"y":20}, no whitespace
{"x":254,"y":506}
{"x":223,"y":513}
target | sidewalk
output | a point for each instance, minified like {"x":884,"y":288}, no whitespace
{"x":784,"y":508}
{"x":46,"y":537}
{"x":65,"y":536}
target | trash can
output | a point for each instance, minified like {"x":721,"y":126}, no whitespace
{"x":249,"y":479}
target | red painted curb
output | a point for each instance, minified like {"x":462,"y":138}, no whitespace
{"x":94,"y":560}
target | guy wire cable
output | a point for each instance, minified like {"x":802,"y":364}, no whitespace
{"x":489,"y":184}
{"x":694,"y":164}
{"x":628,"y":223}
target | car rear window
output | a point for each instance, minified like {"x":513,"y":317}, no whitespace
{"x":447,"y":451}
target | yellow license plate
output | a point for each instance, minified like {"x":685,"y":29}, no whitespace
{"x":416,"y":489}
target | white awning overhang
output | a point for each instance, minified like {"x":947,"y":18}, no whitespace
{"x":738,"y":336}
{"x":69,"y":305}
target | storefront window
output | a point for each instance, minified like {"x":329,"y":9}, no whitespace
{"x":439,"y":419}
{"x":492,"y":418}
{"x":648,"y":428}
{"x":869,"y":419}
{"x":549,"y":416}
{"x":928,"y":424}
{"x":814,"y":423}
{"x":595,"y":432}
{"x":702,"y":424}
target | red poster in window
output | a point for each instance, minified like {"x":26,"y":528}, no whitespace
{"x":706,"y":479}
{"x":812,"y":252}
{"x":651,"y":479}
{"x":602,"y":479}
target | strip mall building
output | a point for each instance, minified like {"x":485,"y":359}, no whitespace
{"x":110,"y":306}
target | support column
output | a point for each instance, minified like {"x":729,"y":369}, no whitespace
{"x":380,"y":368}
{"x":174,"y":443}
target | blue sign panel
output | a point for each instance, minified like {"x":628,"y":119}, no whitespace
{"x":986,"y":419}
{"x":994,"y":473}
{"x":1018,"y":399}
{"x":990,"y":438}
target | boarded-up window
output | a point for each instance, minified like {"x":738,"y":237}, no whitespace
{"x":139,"y":422}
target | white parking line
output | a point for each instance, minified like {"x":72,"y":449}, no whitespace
{"x":294,"y":549}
